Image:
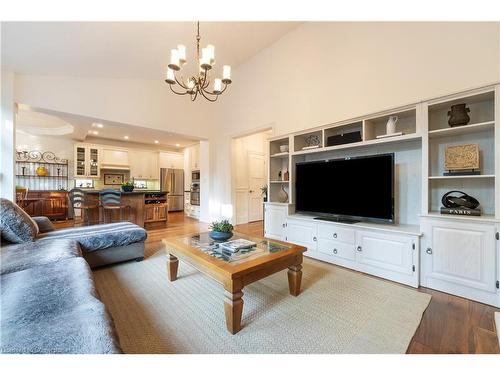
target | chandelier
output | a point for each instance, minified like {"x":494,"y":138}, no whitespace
{"x":199,"y":83}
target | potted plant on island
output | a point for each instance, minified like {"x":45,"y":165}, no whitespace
{"x":221,"y":230}
{"x":127,"y":186}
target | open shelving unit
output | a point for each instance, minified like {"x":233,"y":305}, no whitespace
{"x":480,"y":130}
{"x":419,"y":152}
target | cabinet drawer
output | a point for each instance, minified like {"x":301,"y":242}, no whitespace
{"x":337,"y":249}
{"x":336,"y":233}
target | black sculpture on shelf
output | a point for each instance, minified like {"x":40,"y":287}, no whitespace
{"x":462,"y":204}
{"x":458,"y":115}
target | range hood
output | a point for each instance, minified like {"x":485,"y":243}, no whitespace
{"x":115,"y":167}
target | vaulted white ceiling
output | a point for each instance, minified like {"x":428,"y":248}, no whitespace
{"x":126,"y":49}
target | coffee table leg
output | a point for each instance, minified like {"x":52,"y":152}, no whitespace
{"x":233,"y":309}
{"x":294,"y":279}
{"x":172,"y":266}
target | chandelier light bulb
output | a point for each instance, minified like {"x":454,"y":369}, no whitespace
{"x":217,"y":85}
{"x":210,"y":53}
{"x":226,"y":74}
{"x":174,"y":60}
{"x":170,"y":77}
{"x":181,"y":51}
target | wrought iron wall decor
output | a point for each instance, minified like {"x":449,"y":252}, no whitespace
{"x":29,"y":167}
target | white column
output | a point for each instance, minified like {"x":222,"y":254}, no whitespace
{"x":204,"y":157}
{"x":8,"y":136}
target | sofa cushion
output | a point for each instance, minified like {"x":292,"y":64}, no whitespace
{"x":98,"y":237}
{"x":44,"y":224}
{"x":54,"y":309}
{"x":15,"y":224}
{"x":26,"y":255}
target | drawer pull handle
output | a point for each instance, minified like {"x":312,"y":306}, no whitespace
{"x":335,"y":251}
{"x":315,"y":239}
{"x":429,"y":250}
{"x":283,"y":225}
{"x":335,"y":235}
{"x":359,"y":248}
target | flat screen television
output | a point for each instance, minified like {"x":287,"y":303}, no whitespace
{"x":356,"y":189}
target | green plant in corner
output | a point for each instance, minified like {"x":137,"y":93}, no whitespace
{"x":127,"y":183}
{"x":223,"y":226}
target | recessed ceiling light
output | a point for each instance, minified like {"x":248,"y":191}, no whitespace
{"x":95,"y":132}
{"x":97,"y":125}
{"x":125,"y":137}
{"x":178,"y":145}
{"x":156,"y":141}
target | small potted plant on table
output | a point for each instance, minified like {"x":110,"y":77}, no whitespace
{"x":221,"y":230}
{"x":128,"y":186}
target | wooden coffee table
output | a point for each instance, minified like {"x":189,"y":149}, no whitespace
{"x":234,"y":272}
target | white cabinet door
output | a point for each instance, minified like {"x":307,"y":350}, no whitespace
{"x":388,"y":255}
{"x":94,"y":161}
{"x":144,"y":165}
{"x":301,"y":233}
{"x":461,"y":258}
{"x":117,"y":157}
{"x":275,"y":222}
{"x":194,"y":157}
{"x":171,"y":160}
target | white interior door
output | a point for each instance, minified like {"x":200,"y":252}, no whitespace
{"x":256,"y":177}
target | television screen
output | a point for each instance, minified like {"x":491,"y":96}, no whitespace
{"x":360,"y":187}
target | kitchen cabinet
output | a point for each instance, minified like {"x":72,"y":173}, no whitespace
{"x":155,"y":212}
{"x":171,"y":160}
{"x":115,"y":157}
{"x":194,"y":157}
{"x":144,"y":164}
{"x":53,"y":204}
{"x":87,"y":160}
{"x":461,"y":258}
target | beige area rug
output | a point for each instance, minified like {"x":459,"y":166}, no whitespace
{"x":338,"y":311}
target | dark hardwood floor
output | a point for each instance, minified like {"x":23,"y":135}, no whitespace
{"x":450,"y":324}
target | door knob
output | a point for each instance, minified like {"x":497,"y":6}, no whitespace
{"x":250,"y":191}
{"x":335,"y":251}
{"x":429,"y":250}
{"x":335,"y":235}
{"x":315,"y":239}
{"x":359,"y":248}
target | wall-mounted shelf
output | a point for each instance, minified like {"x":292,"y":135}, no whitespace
{"x":280,"y":155}
{"x":459,"y":130}
{"x":461,"y":177}
{"x":434,"y":214}
{"x":279,"y":182}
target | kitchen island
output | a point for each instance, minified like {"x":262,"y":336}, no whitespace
{"x":148,"y":209}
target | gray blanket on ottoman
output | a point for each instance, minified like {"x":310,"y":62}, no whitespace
{"x":99,"y":237}
{"x":54,"y":309}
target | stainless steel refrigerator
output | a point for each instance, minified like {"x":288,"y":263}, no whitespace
{"x":172,"y":180}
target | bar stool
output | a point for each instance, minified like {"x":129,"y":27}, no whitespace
{"x":111,"y":200}
{"x":78,"y":201}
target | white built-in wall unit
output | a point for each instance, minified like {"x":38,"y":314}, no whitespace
{"x":455,"y":254}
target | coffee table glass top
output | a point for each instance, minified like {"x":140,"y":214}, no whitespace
{"x":204,"y":243}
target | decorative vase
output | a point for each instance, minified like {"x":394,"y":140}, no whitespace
{"x":458,"y":115}
{"x":41,"y":172}
{"x":220,"y":236}
{"x":283,"y":195}
{"x":391,"y":125}
{"x":127,"y":188}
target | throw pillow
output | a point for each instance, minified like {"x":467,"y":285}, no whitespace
{"x":16,"y":225}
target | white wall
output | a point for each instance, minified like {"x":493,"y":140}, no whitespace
{"x":326,"y":72}
{"x":8,"y":136}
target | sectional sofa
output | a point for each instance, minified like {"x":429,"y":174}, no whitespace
{"x":49,"y":303}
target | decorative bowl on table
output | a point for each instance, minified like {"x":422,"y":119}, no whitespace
{"x":221,"y":230}
{"x":220,"y":236}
